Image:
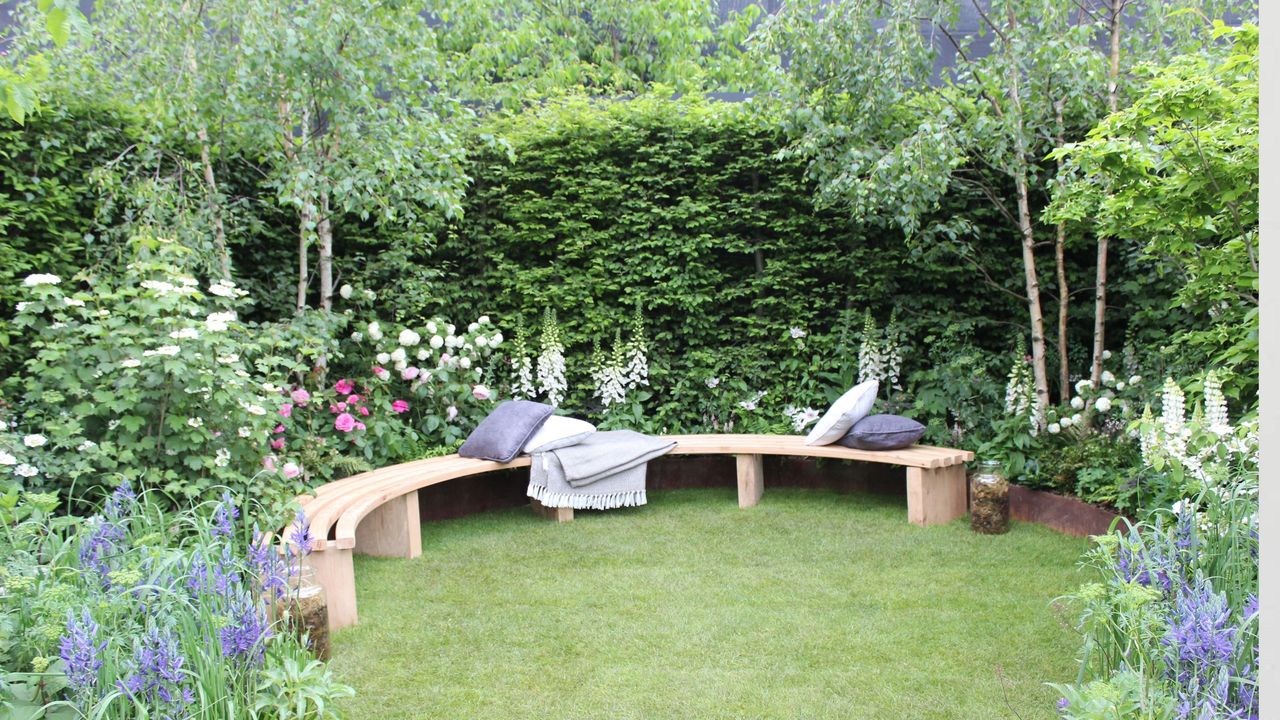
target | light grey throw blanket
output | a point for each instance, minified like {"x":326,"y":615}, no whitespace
{"x":606,"y":470}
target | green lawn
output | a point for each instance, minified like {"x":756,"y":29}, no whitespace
{"x":812,"y":605}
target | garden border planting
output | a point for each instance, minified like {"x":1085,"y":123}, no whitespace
{"x":376,"y":513}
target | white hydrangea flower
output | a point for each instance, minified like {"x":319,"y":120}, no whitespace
{"x":382,"y":358}
{"x":34,"y":440}
{"x":1077,"y":402}
{"x":7,"y":458}
{"x":160,"y":286}
{"x":713,"y":382}
{"x":1120,"y":386}
{"x":1077,"y":419}
{"x":1134,"y":380}
{"x":1065,"y":422}
{"x":1108,"y":379}
{"x":188,"y":281}
{"x":345,"y":292}
{"x":165,"y":350}
{"x":375,"y":331}
{"x":482,"y":341}
{"x":483,"y":320}
{"x":450,"y":329}
{"x":398,"y":354}
{"x":432,"y":328}
{"x":437,"y":342}
{"x":130,"y":363}
{"x":228,"y":359}
{"x":218,"y":322}
{"x":423,"y":354}
{"x":496,"y":340}
{"x":1102,"y":404}
{"x":224,"y":288}
{"x":87,"y":446}
{"x":22,"y":306}
{"x":73,"y":302}
{"x":41,"y":279}
{"x":185,"y":334}
{"x":452,"y":341}
{"x":26,"y":470}
{"x":473,"y":327}
{"x":409,"y":338}
{"x":370,"y":295}
{"x":464,"y":362}
{"x":1082,"y":385}
{"x":1106,"y":354}
{"x":1054,"y":428}
{"x":357,"y":336}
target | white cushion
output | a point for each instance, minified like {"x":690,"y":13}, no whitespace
{"x":557,"y":432}
{"x":849,"y":409}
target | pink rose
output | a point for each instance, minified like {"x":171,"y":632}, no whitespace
{"x":445,"y":358}
{"x":277,"y":444}
{"x":409,"y":373}
{"x":400,"y":406}
{"x":364,"y":411}
{"x":300,"y":396}
{"x":286,"y":410}
{"x":480,"y":392}
{"x":344,"y":422}
{"x":451,"y":413}
{"x":380,"y":372}
{"x":344,"y":387}
{"x":279,"y":429}
{"x":342,"y":407}
{"x":353,"y":399}
{"x":359,"y":426}
{"x":291,"y":470}
{"x":269,"y":463}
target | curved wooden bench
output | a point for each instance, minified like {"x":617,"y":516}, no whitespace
{"x":376,"y":513}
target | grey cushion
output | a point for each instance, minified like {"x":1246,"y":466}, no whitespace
{"x":501,"y":436}
{"x":882,"y":432}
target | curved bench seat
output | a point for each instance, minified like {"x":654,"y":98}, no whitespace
{"x":376,"y":512}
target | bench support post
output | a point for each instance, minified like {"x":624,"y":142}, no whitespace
{"x":559,"y":514}
{"x":750,"y":479}
{"x":337,"y":576}
{"x":936,"y":495}
{"x":393,"y":529}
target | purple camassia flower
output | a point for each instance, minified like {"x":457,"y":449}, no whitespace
{"x":224,"y":516}
{"x":158,"y":681}
{"x":197,"y":574}
{"x":226,"y":576}
{"x":99,"y":547}
{"x":81,"y":652}
{"x":1201,"y":635}
{"x":300,"y":535}
{"x":266,"y":566}
{"x":245,"y":634}
{"x":121,"y":503}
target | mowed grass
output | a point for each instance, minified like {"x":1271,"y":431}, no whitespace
{"x":813,"y":604}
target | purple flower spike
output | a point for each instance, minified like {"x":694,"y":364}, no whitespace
{"x":158,"y":680}
{"x":225,"y":516}
{"x":245,"y":634}
{"x":121,"y":503}
{"x":300,"y":535}
{"x":81,"y":652}
{"x":100,"y":547}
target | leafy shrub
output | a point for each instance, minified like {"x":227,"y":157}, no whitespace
{"x":138,"y":612}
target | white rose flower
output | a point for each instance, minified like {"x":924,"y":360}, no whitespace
{"x":1102,"y":405}
{"x":255,"y":410}
{"x":437,"y":342}
{"x":7,"y":459}
{"x":195,"y":422}
{"x":345,"y":292}
{"x":35,"y":440}
{"x":1077,"y":402}
{"x":409,"y":338}
{"x":245,"y":431}
{"x":383,"y":358}
{"x":25,"y":470}
{"x":1054,"y":428}
{"x":464,"y":362}
{"x":41,"y":279}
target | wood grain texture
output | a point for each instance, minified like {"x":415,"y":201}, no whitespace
{"x":558,"y":514}
{"x":750,"y":479}
{"x":393,"y":529}
{"x":337,"y":576}
{"x":936,"y":496}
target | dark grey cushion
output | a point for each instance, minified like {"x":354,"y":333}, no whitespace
{"x":882,"y":432}
{"x":502,"y":435}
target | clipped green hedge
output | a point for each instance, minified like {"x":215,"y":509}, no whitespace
{"x":683,"y":208}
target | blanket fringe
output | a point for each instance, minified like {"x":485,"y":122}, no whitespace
{"x":583,"y":501}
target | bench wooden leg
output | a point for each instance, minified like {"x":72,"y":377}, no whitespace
{"x":559,"y":514}
{"x":937,"y":495}
{"x":750,"y":479}
{"x":394,"y":529}
{"x":337,"y":576}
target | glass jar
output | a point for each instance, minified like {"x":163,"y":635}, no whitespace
{"x":989,"y":499}
{"x":307,"y":609}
